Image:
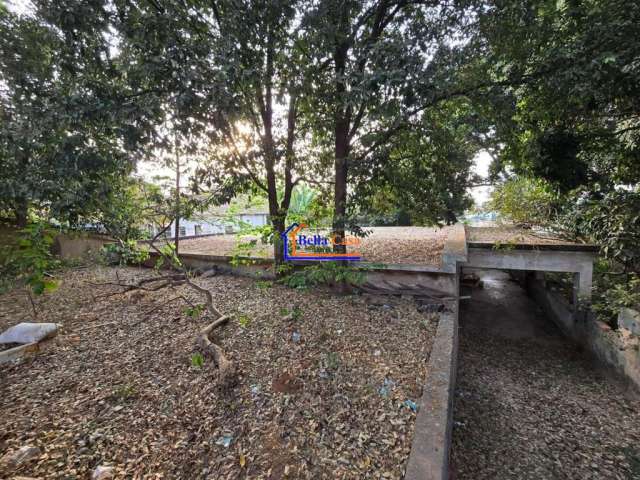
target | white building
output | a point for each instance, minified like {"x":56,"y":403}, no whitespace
{"x":228,"y":218}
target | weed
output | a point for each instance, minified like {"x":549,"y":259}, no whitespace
{"x":284,"y":269}
{"x":197,"y":360}
{"x":295,"y":312}
{"x":124,"y":253}
{"x":506,"y":246}
{"x":244,"y":320}
{"x":194,"y":311}
{"x":264,"y":284}
{"x":326,"y":273}
{"x":124,"y":393}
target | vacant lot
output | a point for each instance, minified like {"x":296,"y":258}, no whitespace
{"x":321,"y":395}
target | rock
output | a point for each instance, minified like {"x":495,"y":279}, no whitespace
{"x":378,"y":300}
{"x":20,"y":456}
{"x":27,"y":332}
{"x":629,"y":319}
{"x":102,"y":472}
{"x":431,"y":307}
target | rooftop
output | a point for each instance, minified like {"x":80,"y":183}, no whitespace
{"x":522,"y":239}
{"x":388,"y":245}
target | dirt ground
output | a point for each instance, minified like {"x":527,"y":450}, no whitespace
{"x":529,"y":404}
{"x":408,"y":245}
{"x":321,"y":396}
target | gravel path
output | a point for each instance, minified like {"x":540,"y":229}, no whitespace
{"x":529,"y":405}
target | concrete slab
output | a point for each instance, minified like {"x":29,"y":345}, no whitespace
{"x":28,"y":332}
{"x":18,"y":352}
{"x":578,"y":262}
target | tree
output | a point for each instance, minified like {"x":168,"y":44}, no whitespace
{"x":130,"y":207}
{"x":378,"y":67}
{"x":526,"y":201}
{"x":574,"y":119}
{"x":225,"y":77}
{"x":573,"y":123}
{"x":66,"y":132}
{"x":426,"y":171}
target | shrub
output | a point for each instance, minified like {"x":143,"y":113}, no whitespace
{"x":524,"y":200}
{"x":611,"y":220}
{"x":29,"y":261}
{"x":325,"y":273}
{"x":614,"y":290}
{"x":125,"y":253}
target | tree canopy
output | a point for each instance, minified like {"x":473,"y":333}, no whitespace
{"x":378,"y":104}
{"x":67,"y":131}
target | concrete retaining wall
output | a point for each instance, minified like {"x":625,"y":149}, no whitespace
{"x":435,"y":284}
{"x":619,"y":349}
{"x":246,"y":267}
{"x":429,"y":458}
{"x":79,"y":245}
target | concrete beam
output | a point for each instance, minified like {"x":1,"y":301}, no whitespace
{"x":18,"y":352}
{"x":541,"y":260}
{"x":582,"y":284}
{"x":436,"y":284}
{"x":579,"y":263}
{"x":454,"y":251}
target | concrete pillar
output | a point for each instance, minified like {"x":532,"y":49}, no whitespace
{"x":582,"y":283}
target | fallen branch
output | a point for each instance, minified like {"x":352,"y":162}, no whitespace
{"x":212,"y":310}
{"x":166,"y":281}
{"x":171,"y":280}
{"x":226,"y":367}
{"x":156,"y":307}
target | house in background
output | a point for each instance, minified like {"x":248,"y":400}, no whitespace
{"x":222,"y":219}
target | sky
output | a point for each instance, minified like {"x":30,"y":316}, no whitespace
{"x":19,"y":6}
{"x":482,"y":161}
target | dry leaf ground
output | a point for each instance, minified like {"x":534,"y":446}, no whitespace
{"x":117,"y":385}
{"x":506,"y":234}
{"x":529,"y":404}
{"x":408,"y":245}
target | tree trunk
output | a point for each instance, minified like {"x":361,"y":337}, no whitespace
{"x":265,"y":103}
{"x":278,"y":244}
{"x":340,"y":190}
{"x":342,"y":120}
{"x":21,"y":212}
{"x":176,"y":240}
